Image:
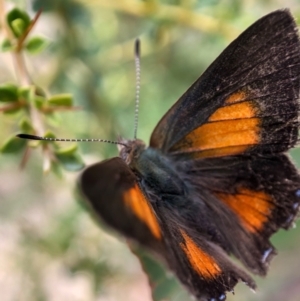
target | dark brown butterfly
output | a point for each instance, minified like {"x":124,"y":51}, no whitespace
{"x":215,"y":180}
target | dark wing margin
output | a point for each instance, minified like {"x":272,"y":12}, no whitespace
{"x":246,"y":101}
{"x":113,"y":192}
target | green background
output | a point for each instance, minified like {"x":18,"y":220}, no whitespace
{"x":50,"y":247}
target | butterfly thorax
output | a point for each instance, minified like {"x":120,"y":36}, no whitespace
{"x":156,"y":170}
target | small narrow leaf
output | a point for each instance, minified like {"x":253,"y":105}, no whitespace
{"x":6,"y":45}
{"x":18,"y":21}
{"x":36,"y":45}
{"x":27,"y":93}
{"x":11,"y":109}
{"x":26,"y":126}
{"x":13,"y":145}
{"x":18,"y":27}
{"x":8,"y":93}
{"x":39,"y":101}
{"x":70,"y":162}
{"x":61,"y":100}
{"x":49,"y":134}
{"x":39,"y":91}
{"x":69,"y":150}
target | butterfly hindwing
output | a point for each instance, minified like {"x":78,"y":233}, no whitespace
{"x":249,"y":198}
{"x":245,"y":102}
{"x":202,"y":266}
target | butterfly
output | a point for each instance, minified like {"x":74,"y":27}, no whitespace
{"x":215,"y":180}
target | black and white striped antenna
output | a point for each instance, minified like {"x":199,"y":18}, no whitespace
{"x":34,"y":137}
{"x":137,"y":58}
{"x":136,"y":113}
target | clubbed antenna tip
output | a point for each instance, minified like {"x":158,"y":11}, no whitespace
{"x":137,"y":47}
{"x":29,"y":137}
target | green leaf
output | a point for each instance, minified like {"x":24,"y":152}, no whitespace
{"x":61,"y":100}
{"x":6,"y":45}
{"x":39,"y":101}
{"x":26,"y":126}
{"x":49,"y":134}
{"x":13,"y":145}
{"x":27,"y":93}
{"x":18,"y":21}
{"x":70,"y":162}
{"x":8,"y":93}
{"x":12,"y":111}
{"x":39,"y":91}
{"x":18,"y":27}
{"x":36,"y":45}
{"x":69,"y":150}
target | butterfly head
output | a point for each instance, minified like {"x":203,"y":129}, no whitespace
{"x":129,"y":150}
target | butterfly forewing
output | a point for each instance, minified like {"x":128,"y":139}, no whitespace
{"x":113,"y":192}
{"x":246,"y":101}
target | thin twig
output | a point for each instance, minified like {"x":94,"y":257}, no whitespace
{"x":23,"y":75}
{"x":28,"y":30}
{"x":25,"y":157}
{"x":12,"y":106}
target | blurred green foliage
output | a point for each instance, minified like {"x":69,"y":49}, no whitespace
{"x":50,"y":248}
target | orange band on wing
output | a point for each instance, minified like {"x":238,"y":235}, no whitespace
{"x":252,"y":207}
{"x":230,"y":130}
{"x":223,"y":134}
{"x":234,"y":111}
{"x":236,"y":97}
{"x":136,"y":201}
{"x":200,"y":261}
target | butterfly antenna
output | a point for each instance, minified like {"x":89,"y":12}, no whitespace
{"x":137,"y":57}
{"x":33,"y":137}
{"x":136,"y":113}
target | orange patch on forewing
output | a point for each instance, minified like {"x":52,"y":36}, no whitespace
{"x":200,"y":261}
{"x":252,"y":207}
{"x":230,"y":130}
{"x":234,"y":111}
{"x":236,"y":97}
{"x":136,"y":201}
{"x":223,"y":134}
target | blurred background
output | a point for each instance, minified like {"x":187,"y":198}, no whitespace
{"x":50,"y":247}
